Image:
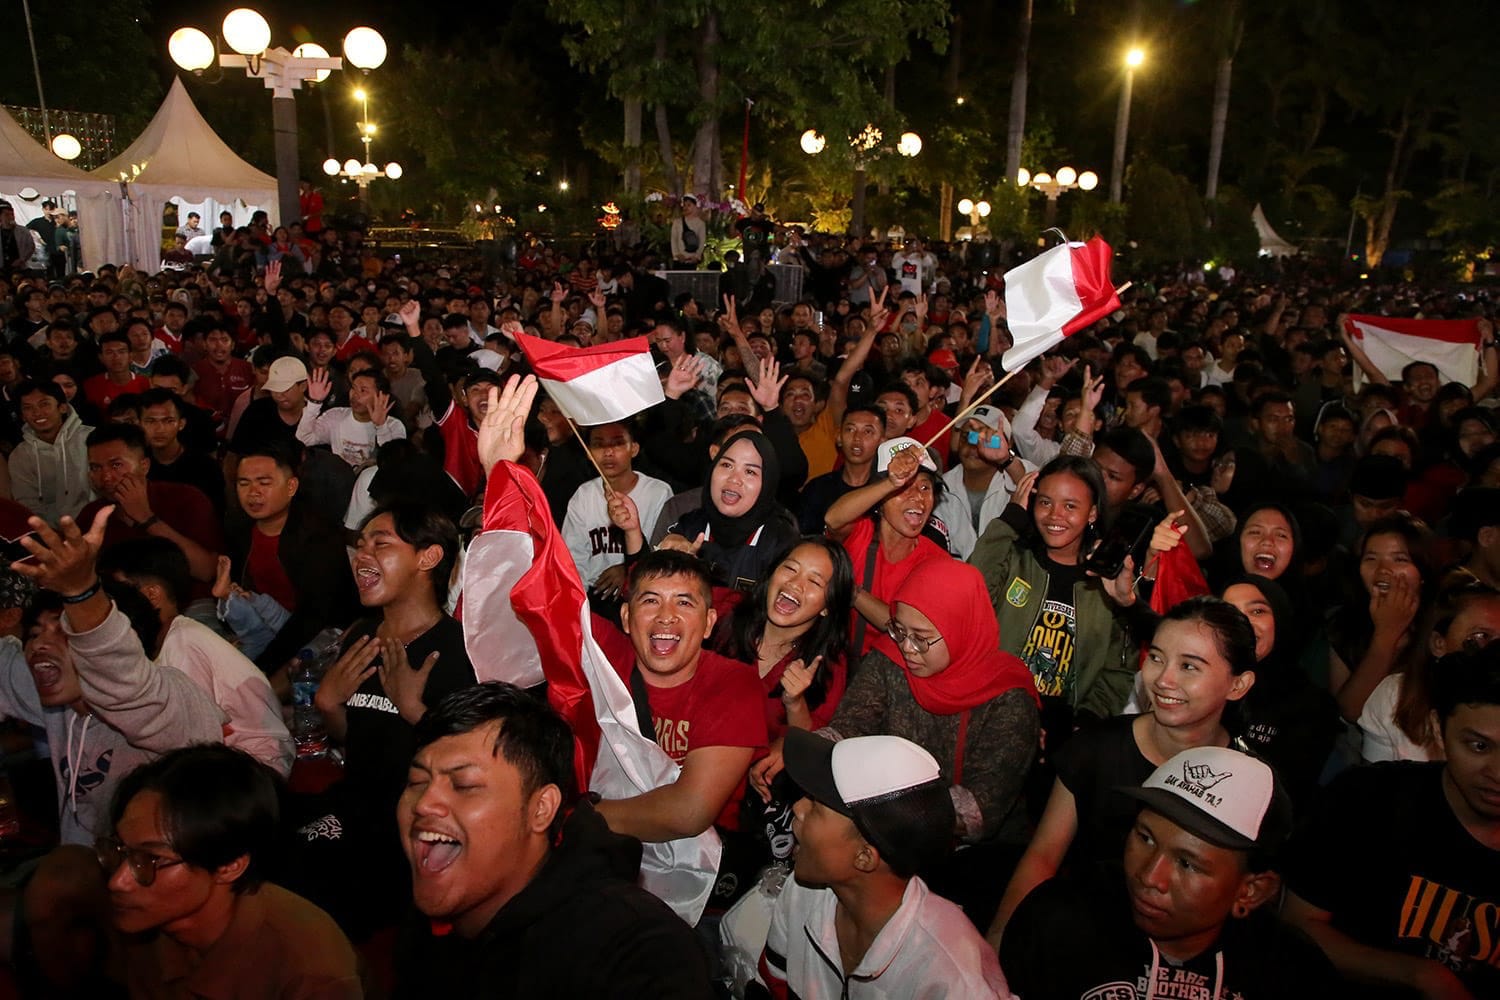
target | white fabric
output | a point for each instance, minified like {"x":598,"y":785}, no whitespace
{"x":24,"y":163}
{"x":1383,"y":739}
{"x":178,"y":156}
{"x":587,"y":527}
{"x":1231,"y":787}
{"x":955,"y":511}
{"x":1040,"y":298}
{"x":1390,"y":351}
{"x":1271,"y":242}
{"x":679,"y":872}
{"x":609,"y":393}
{"x":237,"y":686}
{"x":355,"y":441}
{"x":928,"y":949}
{"x":871,"y":767}
{"x":1027,"y":441}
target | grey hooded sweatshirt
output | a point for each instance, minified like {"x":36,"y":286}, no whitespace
{"x":53,"y":479}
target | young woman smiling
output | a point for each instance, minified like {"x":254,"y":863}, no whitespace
{"x":1054,"y":617}
{"x":1201,"y":659}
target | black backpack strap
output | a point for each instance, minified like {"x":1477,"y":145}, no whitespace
{"x":863,"y":623}
{"x":642,"y":701}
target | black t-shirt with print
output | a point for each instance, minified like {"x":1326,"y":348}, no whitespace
{"x":1387,"y":858}
{"x":1048,"y":650}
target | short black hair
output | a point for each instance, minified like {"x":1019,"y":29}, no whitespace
{"x":151,"y":559}
{"x":1466,"y":677}
{"x":382,"y":384}
{"x":162,"y":397}
{"x":671,"y":562}
{"x":46,"y":387}
{"x":129,"y":434}
{"x":904,"y":390}
{"x":1154,"y":391}
{"x":169,"y":365}
{"x":1133,"y":446}
{"x":420,"y":527}
{"x":533,"y":737}
{"x":287,"y":454}
{"x":1197,"y":418}
{"x":218,"y":804}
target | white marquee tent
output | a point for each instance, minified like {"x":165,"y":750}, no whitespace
{"x":30,"y":173}
{"x":1271,"y":243}
{"x":179,"y":158}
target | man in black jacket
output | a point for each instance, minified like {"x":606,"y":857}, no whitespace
{"x":525,"y":892}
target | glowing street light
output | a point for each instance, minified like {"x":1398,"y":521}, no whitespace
{"x":866,"y":145}
{"x":1066,"y":179}
{"x":66,"y":146}
{"x":1133,"y":61}
{"x":812,"y":142}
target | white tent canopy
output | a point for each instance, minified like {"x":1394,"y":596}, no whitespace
{"x":179,"y":158}
{"x":27,"y":164}
{"x":1271,"y":243}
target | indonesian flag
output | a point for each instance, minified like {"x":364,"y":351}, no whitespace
{"x":1450,"y":345}
{"x":526,"y":619}
{"x":1055,"y":294}
{"x":595,"y":385}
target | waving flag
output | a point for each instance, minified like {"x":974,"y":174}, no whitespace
{"x":526,"y":619}
{"x":595,"y":385}
{"x":1055,"y":294}
{"x":1449,"y":345}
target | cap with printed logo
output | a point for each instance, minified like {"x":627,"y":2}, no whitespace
{"x":1220,"y":795}
{"x":889,"y":449}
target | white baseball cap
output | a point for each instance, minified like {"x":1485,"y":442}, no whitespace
{"x":888,"y":450}
{"x":285,"y":373}
{"x":1220,"y":795}
{"x":992,"y":417}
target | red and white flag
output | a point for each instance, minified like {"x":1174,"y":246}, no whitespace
{"x":595,"y":385}
{"x":1450,"y":345}
{"x":525,"y":620}
{"x":1055,"y":294}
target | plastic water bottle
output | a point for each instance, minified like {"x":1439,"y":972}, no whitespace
{"x":308,"y":731}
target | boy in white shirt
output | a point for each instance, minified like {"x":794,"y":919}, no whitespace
{"x":876,"y":809}
{"x":353,"y":432}
{"x":598,"y":547}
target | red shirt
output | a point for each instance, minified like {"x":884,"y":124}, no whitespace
{"x":353,"y":346}
{"x":888,"y":578}
{"x":931,"y":426}
{"x":263,"y":570}
{"x":461,"y":450}
{"x":182,"y":508}
{"x":776,"y":726}
{"x":218,"y":389}
{"x":719,"y":707}
{"x":100,"y":391}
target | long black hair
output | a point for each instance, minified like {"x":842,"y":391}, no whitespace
{"x":828,"y":635}
{"x":1087,"y":470}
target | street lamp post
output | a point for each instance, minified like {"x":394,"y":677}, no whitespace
{"x":249,"y":35}
{"x":362,"y":173}
{"x":975,"y":210}
{"x":866,"y":147}
{"x":1053,"y":185}
{"x":1133,"y":59}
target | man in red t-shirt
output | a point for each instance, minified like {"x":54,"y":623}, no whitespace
{"x":706,"y":709}
{"x":346,"y":340}
{"x":456,"y":415}
{"x":117,"y":379}
{"x":221,"y":375}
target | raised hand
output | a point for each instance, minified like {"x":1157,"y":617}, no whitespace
{"x":686,"y":374}
{"x":1093,"y":389}
{"x":380,"y":408}
{"x":921,"y":309}
{"x":596,"y":299}
{"x":1054,"y":368}
{"x":996,"y":454}
{"x":1167,"y":535}
{"x":411,"y":315}
{"x":1223,"y":475}
{"x":797,"y":678}
{"x":730,"y":314}
{"x":63,"y":558}
{"x":766,"y":388}
{"x":502,"y":434}
{"x":319,"y":385}
{"x":623,"y":513}
{"x":878,"y":312}
{"x":904,"y":466}
{"x":681,"y":544}
{"x":272,"y":279}
{"x":994,"y":305}
{"x":558,"y":293}
{"x":1024,"y":488}
{"x":979,"y":378}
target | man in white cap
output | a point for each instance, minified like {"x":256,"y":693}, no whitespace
{"x":856,"y":920}
{"x":981,"y":484}
{"x":1193,"y":920}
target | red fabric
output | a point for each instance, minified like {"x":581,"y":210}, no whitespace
{"x":218,"y":388}
{"x":955,"y":600}
{"x":776,"y":726}
{"x":927,"y":428}
{"x":182,"y":508}
{"x":888,"y":577}
{"x":562,"y":363}
{"x":1178,"y":577}
{"x":1450,"y":331}
{"x":354,"y":345}
{"x":310,"y":205}
{"x":1096,"y":290}
{"x":100,"y":391}
{"x":461,"y":450}
{"x":265,"y":572}
{"x":13,"y":519}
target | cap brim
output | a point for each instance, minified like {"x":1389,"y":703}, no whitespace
{"x":809,"y":763}
{"x":1190,"y":818}
{"x":278,"y":387}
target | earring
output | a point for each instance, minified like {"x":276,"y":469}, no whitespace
{"x":1241,"y":910}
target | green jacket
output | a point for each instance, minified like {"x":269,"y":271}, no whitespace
{"x":1104,"y":663}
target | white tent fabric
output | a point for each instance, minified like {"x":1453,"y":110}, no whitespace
{"x":26,"y":163}
{"x":1271,"y":244}
{"x":179,"y":157}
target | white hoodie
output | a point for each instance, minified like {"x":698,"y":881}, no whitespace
{"x":53,"y":479}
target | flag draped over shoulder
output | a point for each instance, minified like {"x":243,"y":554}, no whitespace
{"x":1055,"y":294}
{"x":1450,"y":345}
{"x":526,"y":619}
{"x":595,"y":385}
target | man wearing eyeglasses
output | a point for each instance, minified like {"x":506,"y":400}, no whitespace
{"x":184,"y":862}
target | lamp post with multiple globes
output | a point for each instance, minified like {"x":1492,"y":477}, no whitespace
{"x":866,"y":147}
{"x":975,"y":210}
{"x":248,"y":34}
{"x":1053,"y":185}
{"x":362,"y":173}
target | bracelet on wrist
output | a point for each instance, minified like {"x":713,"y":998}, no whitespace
{"x":148,"y":522}
{"x":82,"y":596}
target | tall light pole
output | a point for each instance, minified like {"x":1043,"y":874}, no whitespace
{"x":249,"y":35}
{"x":1053,"y":186}
{"x":363,"y":173}
{"x":1133,"y":59}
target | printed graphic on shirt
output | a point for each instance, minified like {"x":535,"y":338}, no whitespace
{"x":1456,"y":929}
{"x":1049,"y":648}
{"x":90,"y":774}
{"x":1018,"y":593}
{"x":1171,"y":984}
{"x":606,"y":541}
{"x":672,"y":736}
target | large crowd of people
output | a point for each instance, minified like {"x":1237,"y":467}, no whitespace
{"x":1160,"y":667}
